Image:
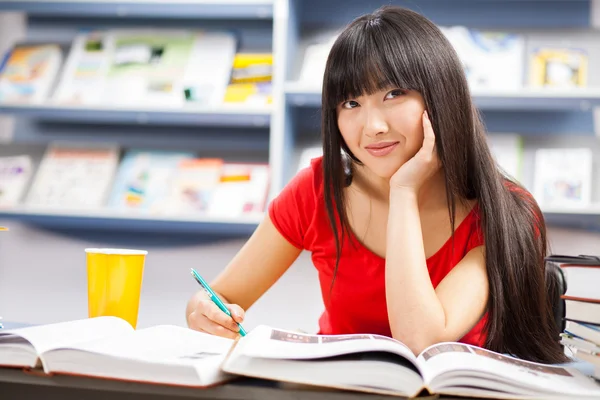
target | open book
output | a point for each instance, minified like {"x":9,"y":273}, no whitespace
{"x":379,"y":364}
{"x":108,"y":347}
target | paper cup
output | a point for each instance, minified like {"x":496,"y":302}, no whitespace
{"x":115,"y":282}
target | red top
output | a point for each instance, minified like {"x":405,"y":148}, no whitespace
{"x":357,"y":303}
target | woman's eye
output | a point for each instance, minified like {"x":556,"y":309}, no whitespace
{"x":394,"y":93}
{"x":350,"y":104}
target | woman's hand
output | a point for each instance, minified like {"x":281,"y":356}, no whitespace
{"x":204,"y":316}
{"x":422,"y":166}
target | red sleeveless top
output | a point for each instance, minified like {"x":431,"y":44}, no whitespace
{"x":357,"y":303}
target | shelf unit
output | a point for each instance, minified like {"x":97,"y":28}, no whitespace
{"x":283,"y":27}
{"x":236,"y":132}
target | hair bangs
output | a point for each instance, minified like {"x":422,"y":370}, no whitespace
{"x":368,"y":57}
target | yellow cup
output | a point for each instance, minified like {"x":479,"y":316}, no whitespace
{"x":115,"y":282}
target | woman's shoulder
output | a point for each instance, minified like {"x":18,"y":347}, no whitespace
{"x":521,"y":195}
{"x":517,"y":188}
{"x":292,"y":210}
{"x":310,"y":178}
{"x":305,"y":188}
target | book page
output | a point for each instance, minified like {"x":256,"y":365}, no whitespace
{"x":62,"y":334}
{"x":266,"y":342}
{"x":452,"y":365}
{"x":153,"y":354}
{"x":161,"y":343}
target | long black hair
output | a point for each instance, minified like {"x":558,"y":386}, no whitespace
{"x":397,"y":47}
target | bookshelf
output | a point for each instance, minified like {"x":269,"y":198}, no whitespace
{"x":548,"y":116}
{"x":278,"y":134}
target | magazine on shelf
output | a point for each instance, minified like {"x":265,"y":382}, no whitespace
{"x":193,"y":184}
{"x":147,"y":68}
{"x":83,"y":77}
{"x":252,"y":67}
{"x":29,"y":72}
{"x":559,"y":68}
{"x":15,"y":173}
{"x":491,"y":60}
{"x":208,"y":69}
{"x":508,"y":152}
{"x":74,"y":176}
{"x":315,"y":58}
{"x":108,"y":347}
{"x":242,"y":190}
{"x":563,"y":177}
{"x":251,"y":80}
{"x":144,"y":179}
{"x":379,"y":364}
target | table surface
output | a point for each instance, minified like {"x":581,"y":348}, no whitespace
{"x":19,"y":384}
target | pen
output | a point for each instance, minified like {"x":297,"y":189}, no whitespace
{"x":213,"y":296}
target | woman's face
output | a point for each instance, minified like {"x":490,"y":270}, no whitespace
{"x":383,"y":130}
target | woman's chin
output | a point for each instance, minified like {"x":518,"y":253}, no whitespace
{"x":383,"y":172}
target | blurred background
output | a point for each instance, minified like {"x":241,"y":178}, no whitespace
{"x":169,"y":125}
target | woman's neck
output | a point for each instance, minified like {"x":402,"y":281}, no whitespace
{"x":432,"y":194}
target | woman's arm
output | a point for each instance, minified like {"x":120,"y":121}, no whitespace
{"x":419,"y":314}
{"x":257,"y":266}
{"x":259,"y":263}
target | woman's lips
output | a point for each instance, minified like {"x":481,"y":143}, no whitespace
{"x":381,"y":149}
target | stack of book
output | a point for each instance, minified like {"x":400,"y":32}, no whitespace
{"x":581,"y":336}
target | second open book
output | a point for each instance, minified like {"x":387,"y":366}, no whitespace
{"x":107,"y":347}
{"x":379,"y":364}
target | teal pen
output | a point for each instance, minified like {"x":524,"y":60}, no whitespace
{"x":213,"y":296}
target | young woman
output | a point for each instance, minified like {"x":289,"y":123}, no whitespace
{"x":414,"y":231}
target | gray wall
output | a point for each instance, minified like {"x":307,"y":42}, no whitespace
{"x":43,"y":279}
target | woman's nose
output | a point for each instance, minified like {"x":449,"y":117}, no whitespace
{"x":375,"y":123}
